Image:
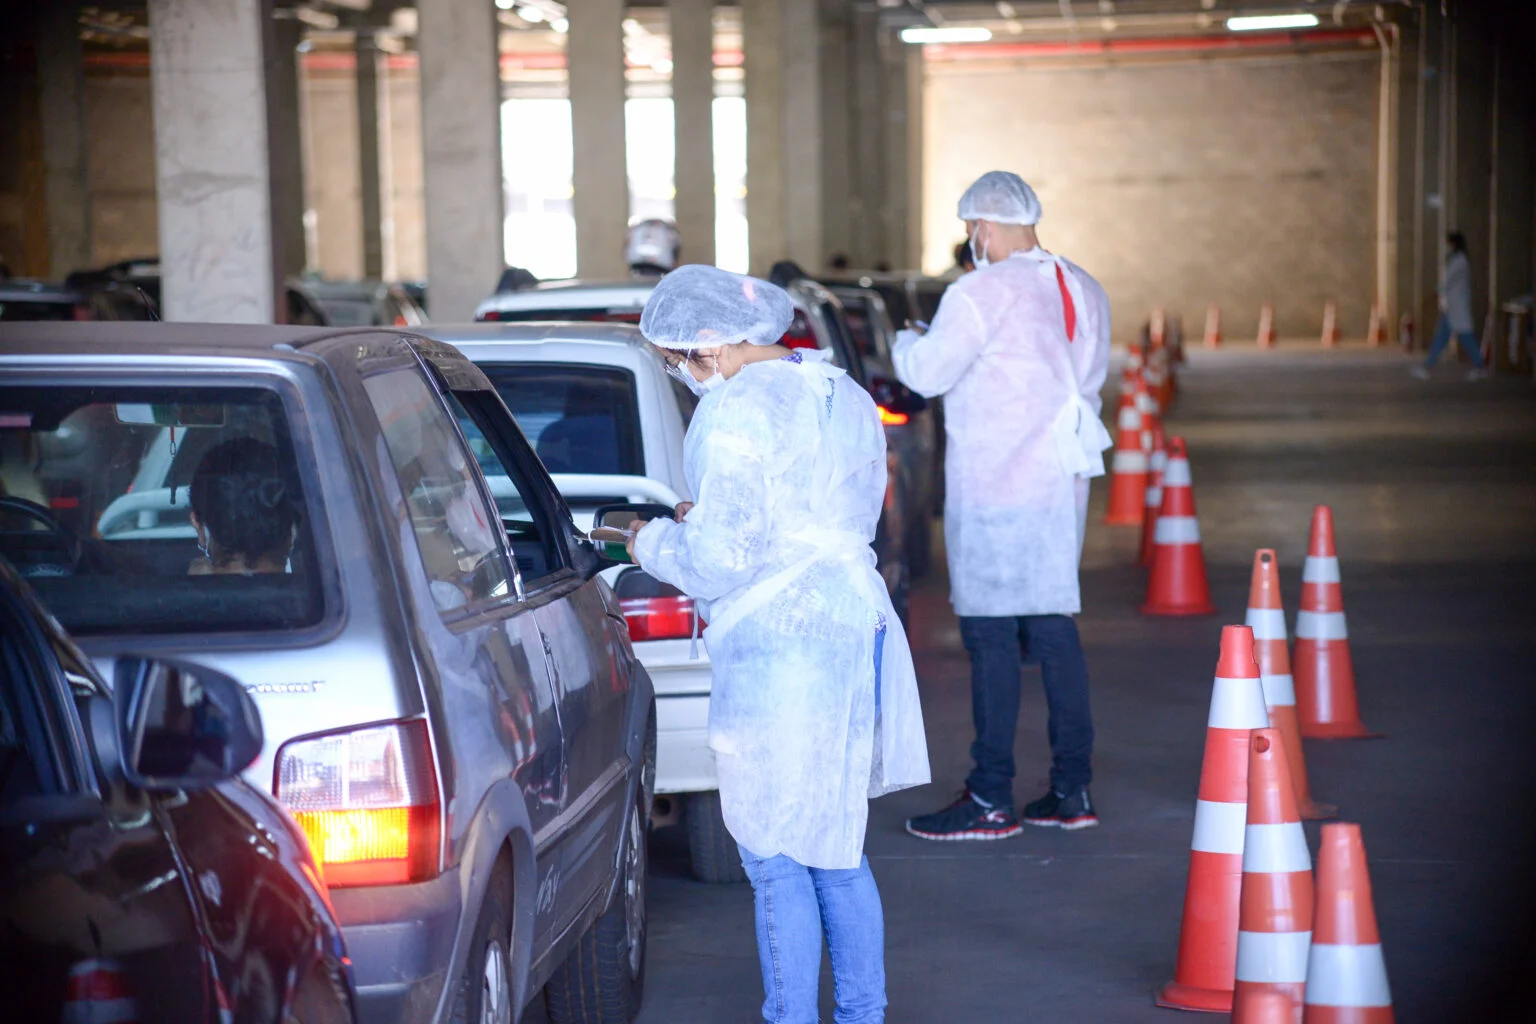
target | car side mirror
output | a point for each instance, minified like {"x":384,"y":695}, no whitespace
{"x":895,"y":397}
{"x":607,"y":539}
{"x":180,"y":725}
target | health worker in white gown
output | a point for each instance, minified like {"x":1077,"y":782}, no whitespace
{"x":814,"y":708}
{"x":1019,"y":349}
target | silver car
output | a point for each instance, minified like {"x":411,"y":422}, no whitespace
{"x":453,"y":710}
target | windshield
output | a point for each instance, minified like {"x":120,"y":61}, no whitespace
{"x":348,"y":312}
{"x":579,"y":418}
{"x":156,"y":509}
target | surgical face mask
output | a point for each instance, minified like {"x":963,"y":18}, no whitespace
{"x":979,"y":251}
{"x":681,"y":373}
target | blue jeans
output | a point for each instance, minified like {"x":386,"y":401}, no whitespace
{"x":997,"y":647}
{"x":1443,"y":338}
{"x":794,"y":905}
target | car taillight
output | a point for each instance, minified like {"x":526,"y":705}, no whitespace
{"x":367,"y":801}
{"x":652,"y":609}
{"x":799,"y":334}
{"x":489,"y":314}
{"x":891,"y":419}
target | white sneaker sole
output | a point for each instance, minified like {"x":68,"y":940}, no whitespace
{"x":972,"y":836}
{"x":1065,"y":826}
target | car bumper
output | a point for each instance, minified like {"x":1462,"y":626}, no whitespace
{"x":400,"y":939}
{"x":684,"y":762}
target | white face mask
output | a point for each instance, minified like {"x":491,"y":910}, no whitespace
{"x":979,"y":251}
{"x":681,"y":373}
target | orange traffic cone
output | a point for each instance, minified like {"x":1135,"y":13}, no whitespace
{"x":1346,"y":975}
{"x":1325,"y":676}
{"x":1206,"y":971}
{"x":1153,"y":504}
{"x":1330,"y":324}
{"x":1266,"y":616}
{"x":1375,"y":334}
{"x":1146,"y":403}
{"x":1271,"y":1008}
{"x":1275,"y":920}
{"x":1177,"y":585}
{"x":1213,"y":326}
{"x":1128,"y":468}
{"x":1267,"y":325}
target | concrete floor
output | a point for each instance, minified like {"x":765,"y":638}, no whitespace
{"x":1435,"y":500}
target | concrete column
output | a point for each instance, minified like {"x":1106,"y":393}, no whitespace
{"x":868,"y":163}
{"x":1387,"y":152}
{"x":66,"y":186}
{"x":693,"y":94}
{"x":902,"y":203}
{"x":762,"y":31}
{"x":369,"y":164}
{"x":781,"y":39}
{"x":285,"y":147}
{"x":461,"y":148}
{"x":836,"y":84}
{"x":595,"y":56}
{"x":214,"y":179}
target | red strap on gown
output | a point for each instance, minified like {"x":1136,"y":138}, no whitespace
{"x":1066,"y":305}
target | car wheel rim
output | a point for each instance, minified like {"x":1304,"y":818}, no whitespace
{"x":634,"y":891}
{"x":495,"y":1000}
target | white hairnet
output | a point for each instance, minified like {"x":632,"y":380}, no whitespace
{"x":1001,"y":197}
{"x":652,"y":242}
{"x":699,"y":306}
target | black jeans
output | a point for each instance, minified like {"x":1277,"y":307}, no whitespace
{"x":997,"y":647}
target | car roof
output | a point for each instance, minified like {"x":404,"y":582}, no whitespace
{"x":153,"y":337}
{"x":546,"y":341}
{"x":561,"y":294}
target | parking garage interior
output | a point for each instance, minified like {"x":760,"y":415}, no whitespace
{"x":1273,"y":199}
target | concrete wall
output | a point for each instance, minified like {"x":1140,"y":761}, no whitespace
{"x":332,"y":187}
{"x":1234,"y":181}
{"x":119,"y":126}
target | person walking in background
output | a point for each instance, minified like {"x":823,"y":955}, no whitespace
{"x":814,"y":708}
{"x":1019,"y":349}
{"x":1455,"y":311}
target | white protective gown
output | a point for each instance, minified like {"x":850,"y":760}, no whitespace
{"x":787,"y":459}
{"x":1456,"y":292}
{"x":1021,"y":410}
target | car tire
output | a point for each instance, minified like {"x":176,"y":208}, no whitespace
{"x":485,"y":987}
{"x":714,"y":853}
{"x":603,"y":979}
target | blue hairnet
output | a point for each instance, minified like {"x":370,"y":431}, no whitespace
{"x":698,"y":306}
{"x":1001,"y":197}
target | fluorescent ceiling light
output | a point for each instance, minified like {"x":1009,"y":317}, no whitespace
{"x":1260,"y":22}
{"x":945,"y":35}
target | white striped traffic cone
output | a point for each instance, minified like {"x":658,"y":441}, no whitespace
{"x":1266,"y":616}
{"x":1323,"y":670}
{"x":1275,"y":922}
{"x":1346,"y":975}
{"x":1207,"y":964}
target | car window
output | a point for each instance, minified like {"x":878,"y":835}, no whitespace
{"x":39,"y":309}
{"x":531,"y":535}
{"x":348,"y":312}
{"x":579,"y":418}
{"x":100,"y":488}
{"x":860,"y":327}
{"x":25,"y":766}
{"x":578,"y":314}
{"x":455,"y":535}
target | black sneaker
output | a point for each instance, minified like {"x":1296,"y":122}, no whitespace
{"x":966,"y":818}
{"x":1058,"y":810}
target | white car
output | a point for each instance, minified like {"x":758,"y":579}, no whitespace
{"x":598,"y":407}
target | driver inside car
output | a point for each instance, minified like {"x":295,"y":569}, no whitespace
{"x":241,"y":510}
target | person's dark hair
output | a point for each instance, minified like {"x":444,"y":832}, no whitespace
{"x":963,"y":258}
{"x":785,"y":272}
{"x":1457,"y":240}
{"x":239,"y":494}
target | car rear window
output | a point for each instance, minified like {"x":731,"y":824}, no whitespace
{"x":348,"y":312}
{"x":37,"y":309}
{"x":586,"y":315}
{"x":579,"y":419}
{"x":157,"y":509}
